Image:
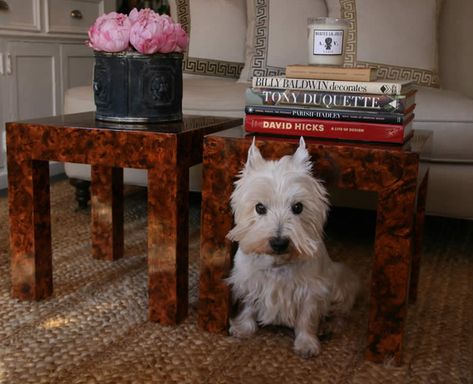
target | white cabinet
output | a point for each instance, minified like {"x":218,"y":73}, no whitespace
{"x":42,"y":54}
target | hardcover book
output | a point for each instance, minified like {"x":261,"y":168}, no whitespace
{"x":331,"y":114}
{"x":334,"y":100}
{"x":330,"y":129}
{"x":386,"y":87}
{"x":321,"y":72}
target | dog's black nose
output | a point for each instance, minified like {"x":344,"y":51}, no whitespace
{"x":279,"y":244}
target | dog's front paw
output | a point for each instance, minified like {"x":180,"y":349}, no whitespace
{"x":306,"y":345}
{"x":242,"y":328}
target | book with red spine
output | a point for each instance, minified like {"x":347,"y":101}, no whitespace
{"x":330,"y":129}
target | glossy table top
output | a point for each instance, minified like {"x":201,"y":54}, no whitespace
{"x":87,"y":120}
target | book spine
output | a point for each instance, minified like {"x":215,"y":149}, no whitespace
{"x":266,"y":96}
{"x":279,"y":82}
{"x":329,"y":129}
{"x":328,"y":114}
{"x":328,"y":73}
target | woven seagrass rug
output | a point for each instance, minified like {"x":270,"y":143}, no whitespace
{"x":94,"y":328}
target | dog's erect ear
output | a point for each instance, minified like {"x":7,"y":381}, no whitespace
{"x":254,"y":156}
{"x":301,"y":156}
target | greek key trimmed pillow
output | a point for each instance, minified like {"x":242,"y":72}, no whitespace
{"x":277,"y":35}
{"x":216,"y":29}
{"x":398,"y":37}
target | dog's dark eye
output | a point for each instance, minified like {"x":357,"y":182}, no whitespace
{"x":297,"y":208}
{"x":260,"y":209}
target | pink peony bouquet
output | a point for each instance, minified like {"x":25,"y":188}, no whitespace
{"x":144,"y":31}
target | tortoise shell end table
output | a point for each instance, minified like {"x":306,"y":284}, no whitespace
{"x":394,"y":172}
{"x":165,"y":150}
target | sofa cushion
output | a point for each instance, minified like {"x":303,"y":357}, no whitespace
{"x":202,"y":96}
{"x":398,"y":37}
{"x":213,"y":96}
{"x":277,"y":35}
{"x":449,"y":115}
{"x":215,"y":28}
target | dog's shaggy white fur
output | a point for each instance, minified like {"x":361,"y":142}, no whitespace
{"x":282,"y":272}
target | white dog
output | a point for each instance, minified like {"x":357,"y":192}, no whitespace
{"x":282,"y":272}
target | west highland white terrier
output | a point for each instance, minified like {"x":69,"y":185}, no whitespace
{"x":282,"y":272}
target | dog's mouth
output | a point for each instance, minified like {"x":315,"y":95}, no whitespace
{"x":279,"y":253}
{"x":282,"y":259}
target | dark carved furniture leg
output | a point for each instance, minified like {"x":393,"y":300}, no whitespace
{"x":107,"y":212}
{"x":82,"y":192}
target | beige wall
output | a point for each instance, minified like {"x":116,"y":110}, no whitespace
{"x":456,"y":46}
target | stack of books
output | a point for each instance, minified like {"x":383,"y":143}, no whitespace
{"x":331,"y":102}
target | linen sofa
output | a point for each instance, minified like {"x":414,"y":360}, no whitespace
{"x":232,"y":40}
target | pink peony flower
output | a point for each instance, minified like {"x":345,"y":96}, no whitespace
{"x":151,"y":33}
{"x":110,"y":33}
{"x":182,"y":38}
{"x":147,"y":31}
{"x":134,"y":14}
{"x":176,"y":38}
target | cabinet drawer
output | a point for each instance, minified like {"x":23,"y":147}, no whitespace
{"x":20,"y":15}
{"x":73,"y":16}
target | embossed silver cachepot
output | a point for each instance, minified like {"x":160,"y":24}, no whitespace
{"x":132,"y":87}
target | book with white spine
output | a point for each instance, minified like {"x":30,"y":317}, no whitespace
{"x":382,"y":87}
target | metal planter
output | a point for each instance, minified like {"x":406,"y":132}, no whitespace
{"x":132,"y":87}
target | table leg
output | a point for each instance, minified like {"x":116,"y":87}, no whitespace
{"x":30,"y":228}
{"x":107,"y":212}
{"x":390,"y":272}
{"x":168,"y":241}
{"x":220,"y":165}
{"x":419,"y":230}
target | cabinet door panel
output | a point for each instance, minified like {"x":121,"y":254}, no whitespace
{"x":35,"y":95}
{"x":77,"y":65}
{"x":34,"y":84}
{"x":35,"y":80}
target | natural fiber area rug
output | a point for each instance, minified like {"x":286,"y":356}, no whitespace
{"x":94,"y":328}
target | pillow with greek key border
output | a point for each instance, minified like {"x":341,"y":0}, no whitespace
{"x":399,"y":38}
{"x":217,"y":30}
{"x":277,"y":35}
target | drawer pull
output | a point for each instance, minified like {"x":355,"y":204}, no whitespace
{"x":76,"y":14}
{"x":4,"y":5}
